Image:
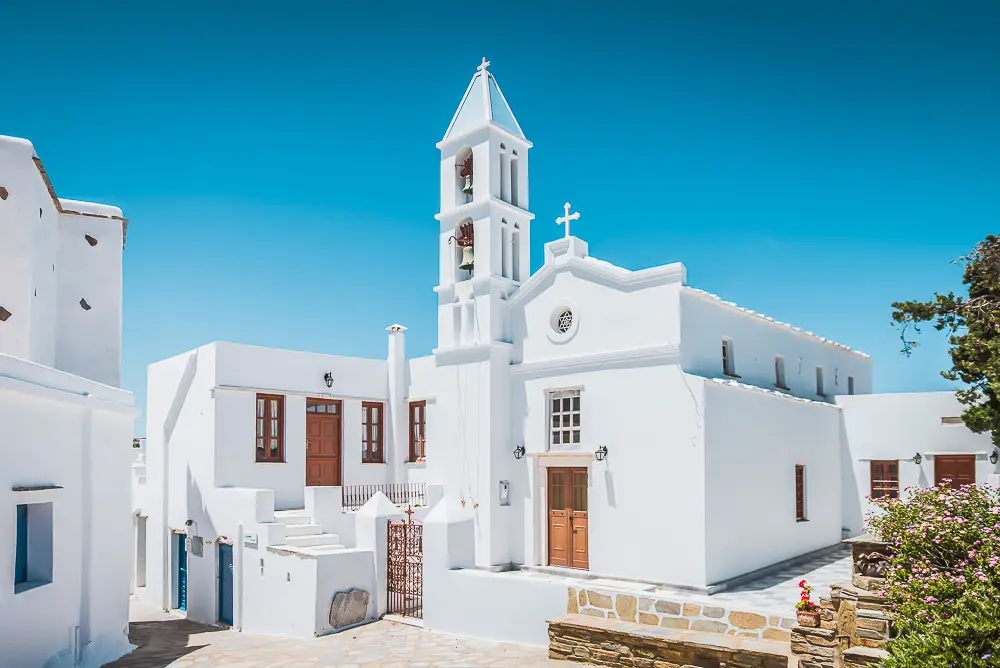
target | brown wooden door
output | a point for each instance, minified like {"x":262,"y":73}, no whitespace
{"x":323,"y":442}
{"x":568,"y":540}
{"x":960,"y":469}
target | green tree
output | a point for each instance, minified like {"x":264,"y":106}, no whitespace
{"x":973,"y":327}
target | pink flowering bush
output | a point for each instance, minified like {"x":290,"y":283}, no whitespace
{"x":943,"y":580}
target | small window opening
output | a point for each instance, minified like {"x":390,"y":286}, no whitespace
{"x":465,"y":246}
{"x":952,"y":420}
{"x":728,"y":360}
{"x":464,"y":176}
{"x":39,"y":212}
{"x":779,"y":372}
{"x":820,"y":389}
{"x":800,"y":492}
{"x":4,"y":314}
{"x":505,"y":250}
{"x":505,"y":177}
{"x":84,"y":305}
{"x":515,"y":253}
{"x":515,"y":190}
{"x":90,"y":240}
{"x":33,"y":546}
{"x":850,"y":384}
{"x":3,"y":193}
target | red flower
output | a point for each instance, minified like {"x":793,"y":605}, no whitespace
{"x":802,"y":583}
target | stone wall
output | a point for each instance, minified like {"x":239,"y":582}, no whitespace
{"x":652,"y":610}
{"x":854,"y":625}
{"x":609,"y":642}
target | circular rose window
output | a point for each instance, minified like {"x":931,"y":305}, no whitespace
{"x":565,"y":321}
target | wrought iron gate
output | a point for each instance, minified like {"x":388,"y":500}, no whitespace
{"x":405,"y":574}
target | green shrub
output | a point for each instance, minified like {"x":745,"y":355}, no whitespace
{"x":943,"y":580}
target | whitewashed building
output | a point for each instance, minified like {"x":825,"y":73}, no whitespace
{"x":581,"y":418}
{"x":65,"y":424}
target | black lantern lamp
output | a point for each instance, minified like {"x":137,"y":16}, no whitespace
{"x":601,"y":453}
{"x":519,"y":452}
{"x":993,"y":456}
{"x":329,"y":379}
{"x":917,"y":459}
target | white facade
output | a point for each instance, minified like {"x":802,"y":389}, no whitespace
{"x":711,"y":441}
{"x":65,"y":425}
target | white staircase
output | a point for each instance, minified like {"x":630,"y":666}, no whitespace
{"x":294,"y":531}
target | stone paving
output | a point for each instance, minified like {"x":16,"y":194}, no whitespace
{"x":772,"y":594}
{"x":168,"y":641}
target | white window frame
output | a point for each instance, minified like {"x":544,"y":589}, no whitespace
{"x":566,"y":427}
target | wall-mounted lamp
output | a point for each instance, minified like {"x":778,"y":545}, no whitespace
{"x":917,"y":459}
{"x":601,"y":453}
{"x":519,"y":452}
{"x":993,"y":456}
{"x":329,"y":379}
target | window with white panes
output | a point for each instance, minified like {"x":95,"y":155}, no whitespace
{"x":564,"y":416}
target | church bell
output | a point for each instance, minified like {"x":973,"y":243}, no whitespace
{"x":467,"y":188}
{"x":468,"y":259}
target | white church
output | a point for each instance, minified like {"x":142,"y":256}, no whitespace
{"x":584,"y":420}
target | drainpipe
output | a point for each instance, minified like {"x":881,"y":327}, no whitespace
{"x":238,"y":577}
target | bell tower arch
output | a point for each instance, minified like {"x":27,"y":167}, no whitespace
{"x":484,"y":255}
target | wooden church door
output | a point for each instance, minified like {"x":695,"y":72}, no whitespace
{"x":568,"y":535}
{"x":323,"y":429}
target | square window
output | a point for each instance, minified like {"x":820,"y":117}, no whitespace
{"x":33,"y":546}
{"x":565,"y":418}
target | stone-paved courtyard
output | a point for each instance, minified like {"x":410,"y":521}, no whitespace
{"x":168,"y":641}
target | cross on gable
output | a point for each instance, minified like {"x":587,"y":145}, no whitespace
{"x":409,"y":513}
{"x":483,"y":65}
{"x":567,"y":218}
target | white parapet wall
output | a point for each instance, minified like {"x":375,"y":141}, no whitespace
{"x":461,"y":600}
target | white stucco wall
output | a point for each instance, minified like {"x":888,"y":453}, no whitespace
{"x":753,"y":441}
{"x":608,"y":316}
{"x":46,"y":267}
{"x":649,"y":419}
{"x":243,"y":370}
{"x":179,"y":414}
{"x":706,"y":320}
{"x":27,"y":256}
{"x":897,"y":426}
{"x":88,"y":342}
{"x":53,"y":434}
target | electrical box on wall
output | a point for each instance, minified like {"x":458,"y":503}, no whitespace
{"x":504,"y":493}
{"x":195,"y":546}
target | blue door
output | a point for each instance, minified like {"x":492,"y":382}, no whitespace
{"x":182,"y":578}
{"x":226,"y":584}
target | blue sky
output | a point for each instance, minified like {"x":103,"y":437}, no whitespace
{"x":813,"y":161}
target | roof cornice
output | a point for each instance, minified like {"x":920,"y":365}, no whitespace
{"x":616,"y":277}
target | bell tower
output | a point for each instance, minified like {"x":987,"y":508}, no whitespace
{"x":484,"y":219}
{"x":485,"y":230}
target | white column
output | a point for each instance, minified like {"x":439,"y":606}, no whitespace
{"x":398,"y":415}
